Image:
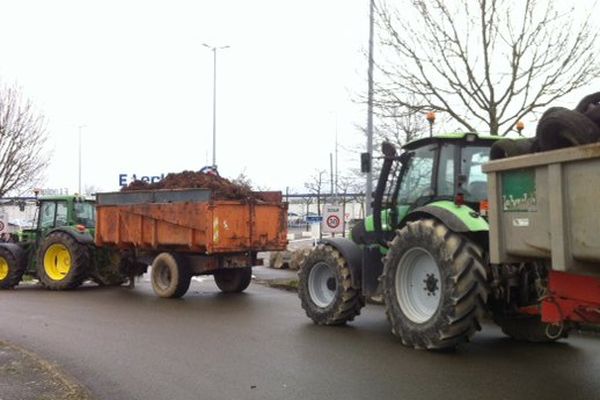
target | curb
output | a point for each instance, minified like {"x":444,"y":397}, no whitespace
{"x":72,"y":389}
{"x":290,"y":285}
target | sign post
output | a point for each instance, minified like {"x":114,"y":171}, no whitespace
{"x":333,"y":219}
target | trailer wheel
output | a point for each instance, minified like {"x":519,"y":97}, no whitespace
{"x":530,"y":329}
{"x":63,"y":263}
{"x":12,"y":267}
{"x":560,"y":127}
{"x":325,"y":288}
{"x":170,"y":276}
{"x":434,"y":286}
{"x":233,"y":280}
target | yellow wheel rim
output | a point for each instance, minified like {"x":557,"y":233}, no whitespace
{"x":57,"y":262}
{"x":3,"y":268}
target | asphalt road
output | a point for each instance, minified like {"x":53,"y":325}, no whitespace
{"x":129,"y":344}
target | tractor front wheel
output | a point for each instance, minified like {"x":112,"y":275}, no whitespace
{"x":63,"y":263}
{"x":325,"y":288}
{"x":434,"y":285}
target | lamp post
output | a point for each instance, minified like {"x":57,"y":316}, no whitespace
{"x":214,"y":50}
{"x":369,"y":191}
{"x":80,"y":127}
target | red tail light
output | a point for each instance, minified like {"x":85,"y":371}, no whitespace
{"x":459,"y":199}
{"x":80,"y":228}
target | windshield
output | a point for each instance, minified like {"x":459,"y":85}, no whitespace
{"x":85,"y":214}
{"x":475,"y":184}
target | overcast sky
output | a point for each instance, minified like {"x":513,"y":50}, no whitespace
{"x":136,"y":75}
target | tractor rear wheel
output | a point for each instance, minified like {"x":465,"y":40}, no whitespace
{"x":325,"y":288}
{"x":170,"y":276}
{"x":12,"y":266}
{"x":63,"y":263}
{"x":233,"y":280}
{"x":434,"y":286}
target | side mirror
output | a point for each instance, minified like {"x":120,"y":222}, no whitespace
{"x":388,"y":149}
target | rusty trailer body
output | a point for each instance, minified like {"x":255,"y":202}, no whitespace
{"x":203,"y":234}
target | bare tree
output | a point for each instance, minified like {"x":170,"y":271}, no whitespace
{"x":91,"y":190}
{"x":399,"y":125}
{"x":486,"y":63}
{"x":315,"y":185}
{"x":22,"y":139}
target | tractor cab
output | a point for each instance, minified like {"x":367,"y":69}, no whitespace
{"x":444,"y":168}
{"x":436,"y":175}
{"x":76,"y":211}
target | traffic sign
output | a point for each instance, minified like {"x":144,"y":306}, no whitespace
{"x":333,"y":218}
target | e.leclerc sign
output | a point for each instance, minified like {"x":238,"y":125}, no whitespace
{"x":125,"y":179}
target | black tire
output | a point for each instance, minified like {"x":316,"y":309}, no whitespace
{"x":343,"y":302}
{"x":462,"y":286}
{"x":12,"y":266}
{"x":505,"y":148}
{"x":62,"y":263}
{"x":593,"y":114}
{"x":585,"y":103}
{"x":562,"y":128}
{"x":233,"y":280}
{"x":170,"y":276}
{"x":530,"y":329}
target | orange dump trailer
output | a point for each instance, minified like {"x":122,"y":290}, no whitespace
{"x":188,"y":232}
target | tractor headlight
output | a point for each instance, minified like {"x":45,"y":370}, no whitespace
{"x":471,"y":137}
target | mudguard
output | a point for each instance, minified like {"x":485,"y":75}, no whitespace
{"x":352,"y":253}
{"x":80,"y":237}
{"x":460,"y":219}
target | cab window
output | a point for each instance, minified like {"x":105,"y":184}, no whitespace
{"x":417,"y":180}
{"x":61,"y":213}
{"x":47,"y":213}
{"x":445,"y":179}
{"x":475,"y":185}
{"x":85,"y":214}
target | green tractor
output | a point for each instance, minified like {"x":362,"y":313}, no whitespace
{"x":59,"y":250}
{"x":424,"y":250}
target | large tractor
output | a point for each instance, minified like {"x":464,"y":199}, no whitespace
{"x":59,"y":250}
{"x":424,"y":250}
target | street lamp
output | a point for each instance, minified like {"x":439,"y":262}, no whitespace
{"x":80,"y":127}
{"x":214,"y":50}
{"x":369,"y":193}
